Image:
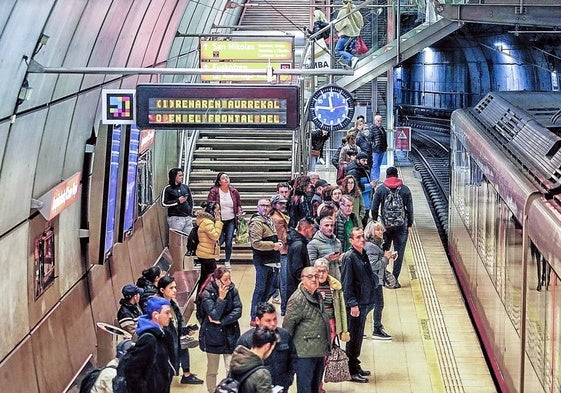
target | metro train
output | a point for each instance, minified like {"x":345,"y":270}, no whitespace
{"x":505,"y":232}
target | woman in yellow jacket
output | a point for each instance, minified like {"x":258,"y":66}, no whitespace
{"x":210,"y":228}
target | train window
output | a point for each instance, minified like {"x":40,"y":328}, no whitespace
{"x":44,"y":261}
{"x":145,"y":182}
{"x":513,"y":268}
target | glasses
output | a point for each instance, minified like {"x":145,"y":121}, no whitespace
{"x":321,"y":272}
{"x":311,"y":276}
{"x":264,"y":205}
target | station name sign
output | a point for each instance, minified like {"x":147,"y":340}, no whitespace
{"x":178,"y":106}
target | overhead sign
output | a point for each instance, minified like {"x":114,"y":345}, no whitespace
{"x":117,"y":106}
{"x":247,"y":55}
{"x":60,"y":197}
{"x":246,"y":50}
{"x":179,"y":106}
{"x":403,"y":138}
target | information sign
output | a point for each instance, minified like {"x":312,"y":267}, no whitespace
{"x":403,"y":138}
{"x":179,"y":106}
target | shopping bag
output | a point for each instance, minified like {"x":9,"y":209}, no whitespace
{"x":242,"y":234}
{"x":360,"y":47}
{"x":337,"y":365}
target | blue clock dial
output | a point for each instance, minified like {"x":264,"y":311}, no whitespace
{"x":331,"y":108}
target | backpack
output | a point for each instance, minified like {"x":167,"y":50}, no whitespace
{"x":231,"y":384}
{"x":393,"y":212}
{"x":120,"y":380}
{"x":89,"y":380}
{"x":199,"y":312}
{"x":192,"y":241}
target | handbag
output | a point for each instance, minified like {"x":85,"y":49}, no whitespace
{"x":389,"y":280}
{"x":360,"y":47}
{"x":337,"y":365}
{"x":315,"y":153}
{"x":242,"y":234}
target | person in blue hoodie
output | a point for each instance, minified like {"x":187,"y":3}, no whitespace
{"x":148,"y":368}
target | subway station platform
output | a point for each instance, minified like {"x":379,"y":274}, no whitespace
{"x":434,"y":347}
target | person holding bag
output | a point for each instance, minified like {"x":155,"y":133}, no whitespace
{"x":221,"y":308}
{"x":348,"y":27}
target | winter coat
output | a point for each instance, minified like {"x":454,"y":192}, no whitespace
{"x":308,"y":324}
{"x":209,"y":233}
{"x":340,"y":229}
{"x":281,"y":226}
{"x":350,"y":26}
{"x":128,"y":315}
{"x":380,"y":197}
{"x":220,"y":338}
{"x":149,"y":291}
{"x":296,"y":260}
{"x":281,"y":361}
{"x":320,"y":246}
{"x":359,"y":280}
{"x":148,"y":368}
{"x":378,"y":261}
{"x":244,"y":360}
{"x":318,"y":139}
{"x":299,"y":206}
{"x":344,"y":154}
{"x":262,"y":237}
{"x":365,"y":143}
{"x":104,"y":382}
{"x":339,"y":308}
{"x":379,"y":139}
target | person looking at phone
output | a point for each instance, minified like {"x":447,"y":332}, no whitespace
{"x":220,"y":330}
{"x":324,"y":244}
{"x":379,"y":259}
{"x":177,"y":197}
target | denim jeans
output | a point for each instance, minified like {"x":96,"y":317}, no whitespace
{"x":340,"y":49}
{"x":398,"y":236}
{"x":182,"y":224}
{"x":356,"y":330}
{"x":309,"y":374}
{"x":378,"y":307}
{"x":227,"y":236}
{"x":184,"y":360}
{"x":283,"y":278}
{"x":263,"y":286}
{"x":377,"y":159}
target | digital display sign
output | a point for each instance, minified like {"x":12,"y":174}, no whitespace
{"x":207,"y":106}
{"x":246,"y":50}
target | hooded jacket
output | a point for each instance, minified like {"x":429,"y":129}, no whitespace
{"x":380,"y":196}
{"x":209,"y":233}
{"x":244,"y":360}
{"x":147,"y":368}
{"x":350,"y":26}
{"x":281,"y":362}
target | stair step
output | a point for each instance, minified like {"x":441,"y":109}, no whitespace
{"x":237,"y":177}
{"x":241,"y":133}
{"x":223,"y":165}
{"x":246,"y":143}
{"x":198,"y":186}
{"x":246,"y":155}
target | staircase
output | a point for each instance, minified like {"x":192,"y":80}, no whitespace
{"x":255,"y":160}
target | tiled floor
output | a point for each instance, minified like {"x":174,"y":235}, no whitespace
{"x":434,"y":346}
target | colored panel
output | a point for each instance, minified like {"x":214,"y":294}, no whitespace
{"x":246,"y":50}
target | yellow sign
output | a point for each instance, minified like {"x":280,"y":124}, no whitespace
{"x":229,"y":66}
{"x":246,"y":50}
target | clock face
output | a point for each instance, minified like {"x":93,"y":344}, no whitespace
{"x":331,"y":108}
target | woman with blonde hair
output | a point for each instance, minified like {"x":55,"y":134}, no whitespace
{"x":210,"y":224}
{"x":379,"y":259}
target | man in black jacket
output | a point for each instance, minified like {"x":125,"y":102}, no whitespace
{"x":177,"y":197}
{"x":147,"y":367}
{"x":359,"y":282}
{"x":130,"y":310}
{"x":297,"y":257}
{"x":281,"y":361}
{"x":379,"y":146}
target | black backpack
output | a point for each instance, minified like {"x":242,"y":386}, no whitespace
{"x":89,"y":380}
{"x":192,"y":241}
{"x":393,"y":212}
{"x":231,"y":384}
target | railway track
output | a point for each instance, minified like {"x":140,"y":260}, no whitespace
{"x":430,"y":155}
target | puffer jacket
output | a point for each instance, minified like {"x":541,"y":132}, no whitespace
{"x":244,"y":360}
{"x":340,"y":230}
{"x":308,"y":324}
{"x":379,"y":139}
{"x":209,"y":233}
{"x":377,"y":259}
{"x":281,"y":361}
{"x":320,"y":246}
{"x":220,"y":338}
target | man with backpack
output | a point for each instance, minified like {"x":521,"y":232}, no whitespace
{"x":101,"y":380}
{"x":393,"y":203}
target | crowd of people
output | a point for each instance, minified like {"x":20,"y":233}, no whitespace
{"x":322,"y":248}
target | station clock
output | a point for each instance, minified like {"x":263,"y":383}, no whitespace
{"x":331,"y":108}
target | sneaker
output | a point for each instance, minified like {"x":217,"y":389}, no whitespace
{"x":191,"y":380}
{"x":380,"y":334}
{"x":228,"y":265}
{"x":321,"y":161}
{"x":354,"y":61}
